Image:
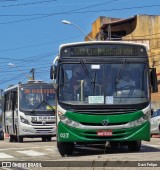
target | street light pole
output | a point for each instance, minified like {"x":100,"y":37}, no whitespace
{"x":70,"y":23}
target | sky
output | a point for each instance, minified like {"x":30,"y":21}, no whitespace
{"x":31,"y":31}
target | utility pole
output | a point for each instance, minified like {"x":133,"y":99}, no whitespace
{"x":33,"y":71}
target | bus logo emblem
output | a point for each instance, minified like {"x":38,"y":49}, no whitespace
{"x":43,"y":123}
{"x":104,"y":122}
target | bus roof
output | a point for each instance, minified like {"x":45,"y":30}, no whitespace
{"x":103,"y":42}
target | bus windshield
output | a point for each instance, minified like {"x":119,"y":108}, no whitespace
{"x":37,"y":98}
{"x":108,"y":84}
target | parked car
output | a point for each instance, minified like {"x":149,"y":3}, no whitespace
{"x":155,"y":122}
{"x":1,"y":133}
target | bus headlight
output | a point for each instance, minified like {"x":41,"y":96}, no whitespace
{"x":23,"y":120}
{"x":75,"y":124}
{"x":62,"y":117}
{"x":69,"y":122}
{"x":147,"y":116}
{"x":137,"y":122}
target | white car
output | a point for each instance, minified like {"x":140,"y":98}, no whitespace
{"x":155,"y":122}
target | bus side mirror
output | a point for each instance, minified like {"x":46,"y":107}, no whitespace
{"x":153,"y":79}
{"x":53,"y":75}
{"x":53,"y":72}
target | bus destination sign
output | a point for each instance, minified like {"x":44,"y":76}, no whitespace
{"x":38,"y":91}
{"x":101,"y":50}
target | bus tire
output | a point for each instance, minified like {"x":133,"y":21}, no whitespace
{"x":16,"y":136}
{"x":134,"y":146}
{"x":44,"y":139}
{"x":2,"y":138}
{"x":11,"y":138}
{"x":65,"y":148}
{"x":49,"y":139}
{"x":19,"y":139}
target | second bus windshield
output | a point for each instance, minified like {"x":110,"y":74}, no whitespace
{"x":37,"y":97}
{"x":109,"y":84}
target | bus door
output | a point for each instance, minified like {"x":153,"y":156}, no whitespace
{"x":4,"y":113}
{"x":14,"y":108}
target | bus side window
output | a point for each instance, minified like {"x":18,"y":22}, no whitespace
{"x":5,"y":102}
{"x":8,"y":101}
{"x":14,"y":100}
{"x":16,"y":103}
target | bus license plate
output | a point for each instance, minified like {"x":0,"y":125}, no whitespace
{"x":104,"y":133}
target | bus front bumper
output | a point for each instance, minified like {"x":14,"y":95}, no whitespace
{"x":69,"y":134}
{"x":28,"y":130}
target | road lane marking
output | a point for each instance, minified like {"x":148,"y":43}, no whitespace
{"x":152,"y":145}
{"x":6,"y":149}
{"x":4,"y":155}
{"x":52,"y":149}
{"x":32,"y":153}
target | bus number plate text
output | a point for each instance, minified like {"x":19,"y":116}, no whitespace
{"x":104,"y":133}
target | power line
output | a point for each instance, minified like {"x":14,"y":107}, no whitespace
{"x":74,"y":11}
{"x":35,"y":45}
{"x":10,"y":79}
{"x":28,"y":58}
{"x":24,"y":62}
{"x":39,"y":2}
{"x":8,"y":1}
{"x":59,"y":13}
{"x":25,"y":4}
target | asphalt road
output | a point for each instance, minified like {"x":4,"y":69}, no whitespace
{"x":35,"y":153}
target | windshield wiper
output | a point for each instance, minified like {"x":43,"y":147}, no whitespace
{"x":121,"y":71}
{"x":42,"y":102}
{"x":92,"y":81}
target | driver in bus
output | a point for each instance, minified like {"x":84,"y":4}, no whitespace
{"x":126,"y":81}
{"x":78,"y":78}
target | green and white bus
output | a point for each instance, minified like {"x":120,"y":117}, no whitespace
{"x":29,"y":111}
{"x":94,"y":107}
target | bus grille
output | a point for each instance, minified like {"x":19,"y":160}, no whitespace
{"x":44,"y":130}
{"x":104,"y":111}
{"x":41,"y":123}
{"x":100,"y":124}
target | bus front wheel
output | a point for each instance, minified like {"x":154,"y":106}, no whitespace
{"x":65,"y":148}
{"x":45,"y":139}
{"x":11,"y":138}
{"x":134,"y":146}
{"x":20,"y":139}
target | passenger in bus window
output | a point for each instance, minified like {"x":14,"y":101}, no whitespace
{"x":79,"y":82}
